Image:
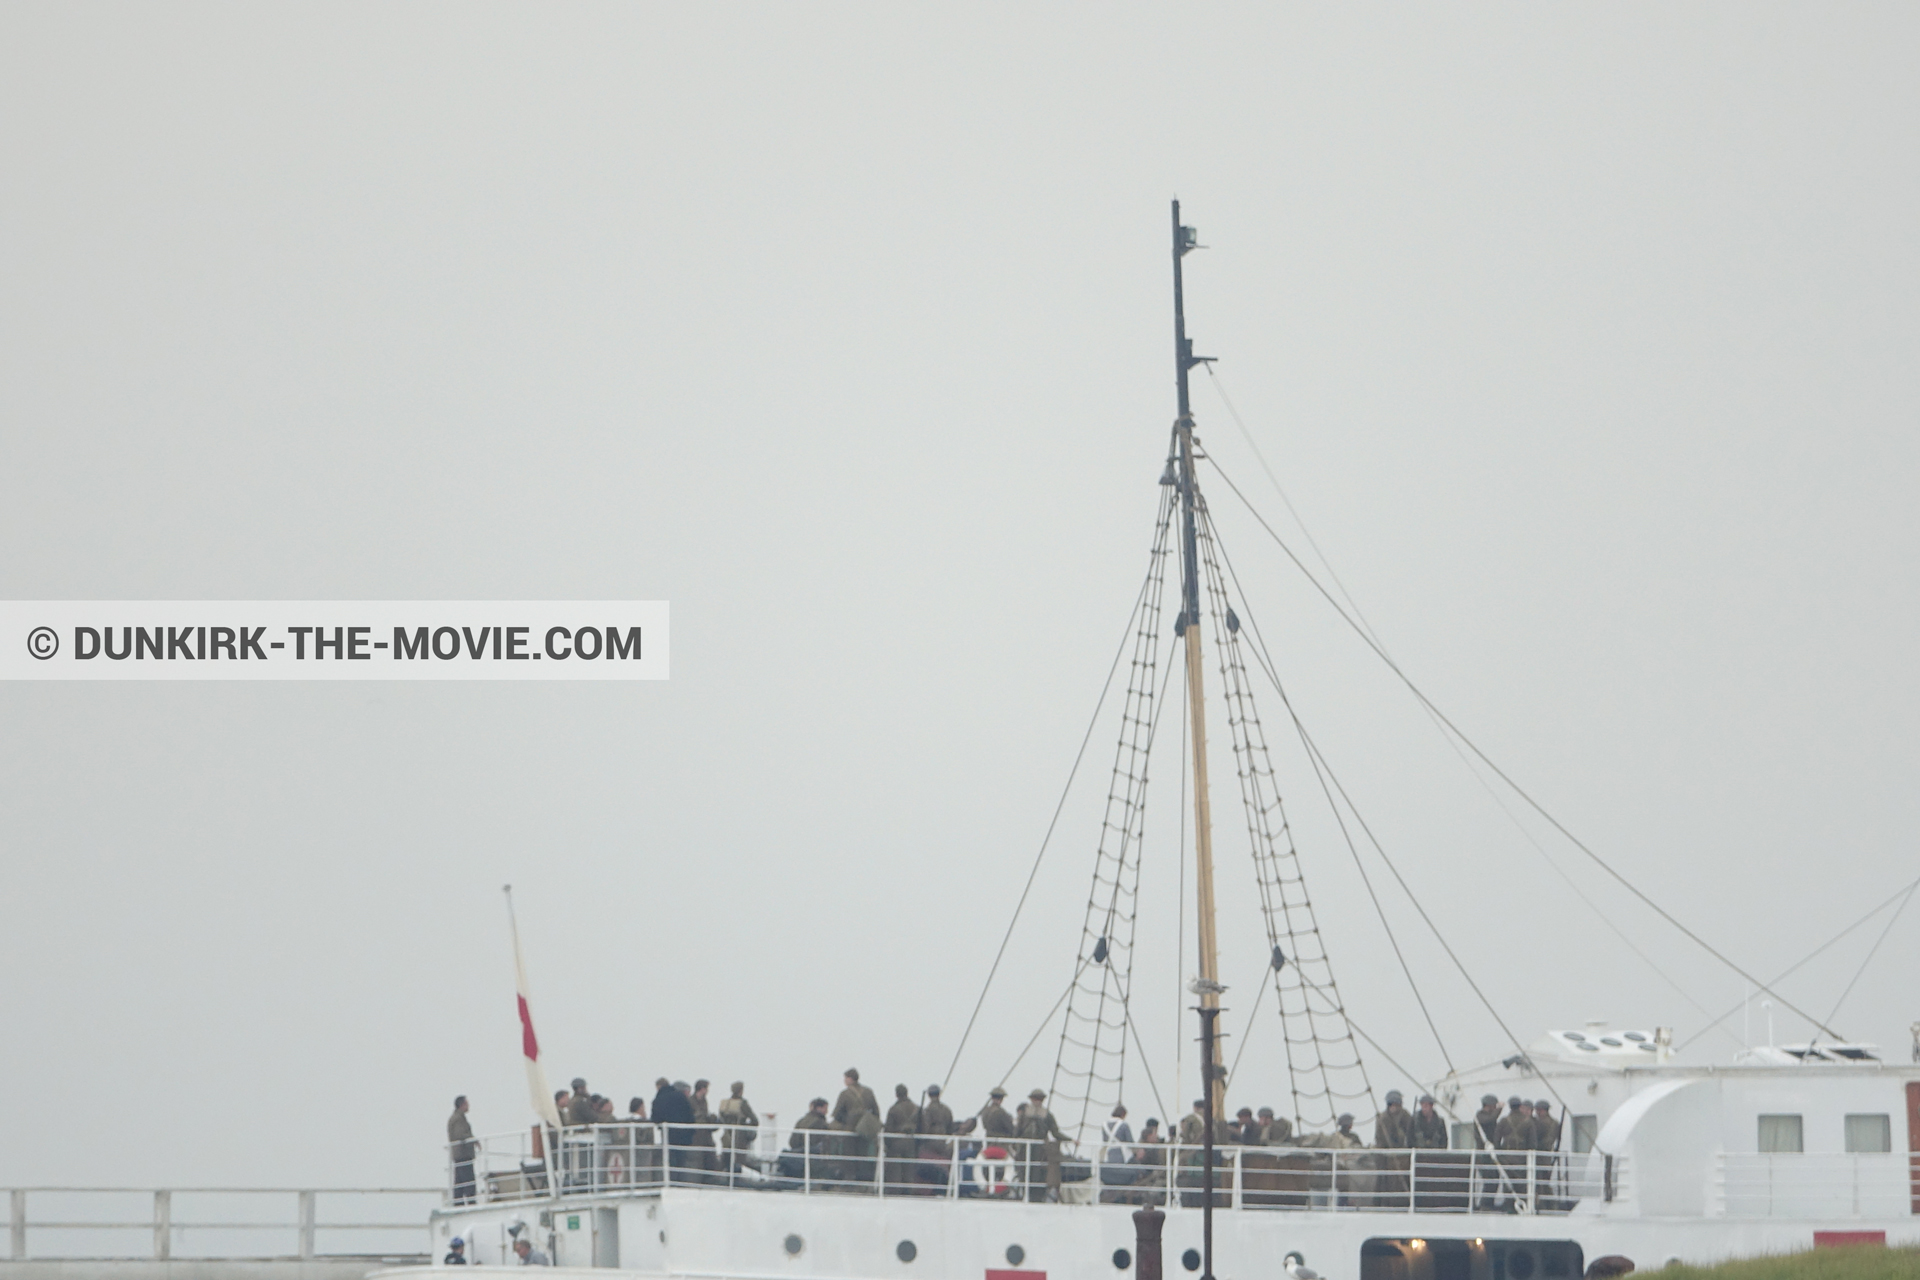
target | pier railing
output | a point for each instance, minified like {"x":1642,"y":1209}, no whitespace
{"x":592,"y":1160}
{"x":171,"y":1223}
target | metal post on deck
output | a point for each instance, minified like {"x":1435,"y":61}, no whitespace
{"x":17,"y":1225}
{"x":163,"y":1225}
{"x":306,"y":1225}
{"x":1147,"y":1223}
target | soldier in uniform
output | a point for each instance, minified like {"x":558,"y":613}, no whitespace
{"x":805,"y":1156}
{"x":903,"y":1118}
{"x":1393,"y":1131}
{"x":704,"y":1157}
{"x":993,"y":1119}
{"x":1193,"y":1127}
{"x":1516,"y":1139}
{"x":1043,"y":1137}
{"x":1345,"y":1182}
{"x":1486,"y":1136}
{"x":1546,"y":1130}
{"x":1246,"y":1130}
{"x":1393,"y":1128}
{"x":735,"y":1110}
{"x":1516,"y":1131}
{"x":579,"y":1104}
{"x":935,"y":1115}
{"x":1275,"y":1131}
{"x":853,"y":1099}
{"x":936,"y":1121}
{"x":461,"y":1149}
{"x":866,"y":1144}
{"x":1546,"y":1137}
{"x":576,"y":1152}
{"x":1430,"y":1134}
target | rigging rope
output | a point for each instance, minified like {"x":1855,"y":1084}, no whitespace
{"x":1047,"y":839}
{"x":1805,"y":960}
{"x":1265,"y":661}
{"x":1035,"y":1039}
{"x":1220,"y":388}
{"x":1278,"y":871}
{"x":1502,"y":774}
{"x":1108,"y":930}
{"x":1891,"y":921}
{"x":1313,"y":749}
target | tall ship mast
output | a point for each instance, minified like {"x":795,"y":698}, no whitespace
{"x":1185,"y":240}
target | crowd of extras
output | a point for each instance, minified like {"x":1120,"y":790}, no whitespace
{"x":706,"y":1136}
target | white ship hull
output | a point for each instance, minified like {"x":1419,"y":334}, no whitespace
{"x":717,"y":1234}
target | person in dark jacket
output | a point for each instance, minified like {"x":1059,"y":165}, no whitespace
{"x":673,"y":1109}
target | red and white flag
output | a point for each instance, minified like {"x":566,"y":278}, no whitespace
{"x":529,"y":1044}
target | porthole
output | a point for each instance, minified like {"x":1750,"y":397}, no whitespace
{"x":1646,"y":1048}
{"x":1015,"y":1255}
{"x":1590,"y":1048}
{"x":1575,"y":1036}
{"x":793,"y":1244}
{"x":1122,"y":1259}
{"x":1190,"y":1259}
{"x":1611,"y":1043}
{"x":1635,"y":1036}
{"x":905,"y":1251}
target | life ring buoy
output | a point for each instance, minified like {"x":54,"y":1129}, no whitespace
{"x":993,"y":1171}
{"x":616,"y":1168}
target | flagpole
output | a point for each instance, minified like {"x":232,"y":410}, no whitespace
{"x":543,"y":1106}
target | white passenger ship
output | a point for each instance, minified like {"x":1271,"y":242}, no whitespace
{"x":1783,"y":1149}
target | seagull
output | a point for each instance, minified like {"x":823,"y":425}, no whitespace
{"x":1296,"y":1266}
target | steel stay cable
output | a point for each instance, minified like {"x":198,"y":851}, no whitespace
{"x":1265,"y":661}
{"x":1871,"y":951}
{"x":1249,"y":735}
{"x":1502,"y":774}
{"x":1314,"y":753}
{"x":1140,"y":1044}
{"x":1220,"y":388}
{"x":1807,"y":959}
{"x":1125,"y":635}
{"x":1041,"y":1029}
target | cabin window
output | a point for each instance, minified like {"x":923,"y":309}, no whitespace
{"x":1586,"y":1131}
{"x":1869,"y":1133}
{"x":1780,"y":1133}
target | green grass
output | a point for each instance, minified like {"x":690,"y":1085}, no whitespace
{"x":1860,"y":1262}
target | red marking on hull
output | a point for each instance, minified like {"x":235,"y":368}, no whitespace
{"x":1840,"y":1239}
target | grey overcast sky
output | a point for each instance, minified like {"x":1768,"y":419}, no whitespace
{"x":1582,"y":337}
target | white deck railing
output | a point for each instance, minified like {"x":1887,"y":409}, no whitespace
{"x":1814,"y":1185}
{"x":615,"y":1158}
{"x":218,"y":1222}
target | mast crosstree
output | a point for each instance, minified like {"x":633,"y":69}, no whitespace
{"x":1322,"y":1055}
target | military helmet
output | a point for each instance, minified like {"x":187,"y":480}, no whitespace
{"x":933,"y":1090}
{"x":1517,"y":1101}
{"x":996,"y":1092}
{"x":1393,"y":1096}
{"x":1426,"y":1099}
{"x":1543,"y":1105}
{"x":1038,"y":1094}
{"x":1488,"y":1100}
